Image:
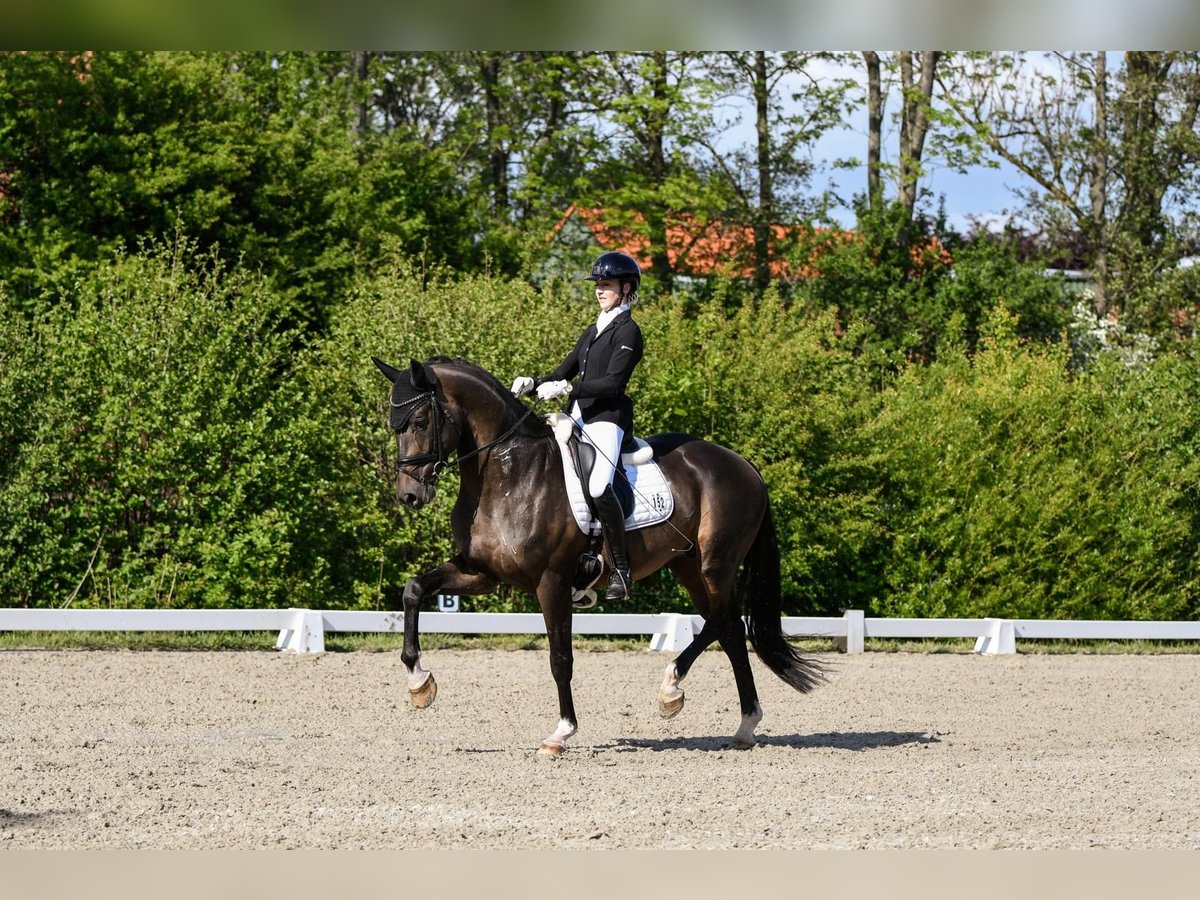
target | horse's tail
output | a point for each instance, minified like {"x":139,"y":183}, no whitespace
{"x":761,"y":595}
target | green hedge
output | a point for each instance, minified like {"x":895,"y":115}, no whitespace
{"x":158,"y":451}
{"x":169,"y":442}
{"x":1015,"y":488}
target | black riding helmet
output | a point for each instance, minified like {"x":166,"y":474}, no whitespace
{"x":615,"y":264}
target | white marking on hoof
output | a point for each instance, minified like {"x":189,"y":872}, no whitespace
{"x":417,"y":676}
{"x":423,"y":696}
{"x":670,"y":695}
{"x":557,"y":742}
{"x":744,"y":738}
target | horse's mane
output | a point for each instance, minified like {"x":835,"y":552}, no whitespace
{"x":533,"y":426}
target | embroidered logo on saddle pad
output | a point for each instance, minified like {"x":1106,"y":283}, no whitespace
{"x":652,"y":499}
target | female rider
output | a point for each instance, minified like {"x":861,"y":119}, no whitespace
{"x":603,"y":358}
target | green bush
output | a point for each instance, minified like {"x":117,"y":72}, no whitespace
{"x":706,"y":374}
{"x":403,"y":313}
{"x":904,"y":292}
{"x":1015,"y":488}
{"x":168,"y":442}
{"x":788,"y":393}
{"x":157,"y":449}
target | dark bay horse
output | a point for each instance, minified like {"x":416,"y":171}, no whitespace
{"x":512,"y":524}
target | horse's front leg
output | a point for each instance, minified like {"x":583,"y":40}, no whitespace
{"x":554,"y":597}
{"x":454,"y":577}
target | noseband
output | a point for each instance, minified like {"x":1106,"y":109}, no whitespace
{"x":441,"y":461}
{"x":435,"y":456}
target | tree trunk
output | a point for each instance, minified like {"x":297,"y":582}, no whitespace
{"x":874,"y":129}
{"x":359,"y":71}
{"x":1145,"y":180}
{"x":914,"y":123}
{"x":489,"y":68}
{"x":1098,"y":188}
{"x":766,"y":198}
{"x":656,"y":129}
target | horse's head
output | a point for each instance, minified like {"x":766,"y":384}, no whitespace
{"x":425,"y":431}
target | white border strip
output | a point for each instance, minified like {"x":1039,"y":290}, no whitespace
{"x":303,"y":630}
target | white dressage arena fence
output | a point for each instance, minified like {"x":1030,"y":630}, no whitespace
{"x":304,"y":630}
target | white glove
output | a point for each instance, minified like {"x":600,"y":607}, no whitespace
{"x":552,"y":389}
{"x":522,"y":384}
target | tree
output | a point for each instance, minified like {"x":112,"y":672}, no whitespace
{"x":1102,"y":152}
{"x":916,"y":73}
{"x":792,"y":107}
{"x":917,"y":93}
{"x":656,"y":112}
{"x":874,"y":128}
{"x":269,"y":157}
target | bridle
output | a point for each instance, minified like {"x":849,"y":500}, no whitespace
{"x":441,"y":461}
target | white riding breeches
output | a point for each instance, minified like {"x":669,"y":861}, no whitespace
{"x":606,"y":437}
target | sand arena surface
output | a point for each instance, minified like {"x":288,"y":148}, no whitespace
{"x":260,"y":749}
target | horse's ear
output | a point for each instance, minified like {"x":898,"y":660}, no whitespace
{"x":389,"y":373}
{"x":422,"y":377}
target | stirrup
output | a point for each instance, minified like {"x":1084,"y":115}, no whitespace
{"x":621,"y":581}
{"x":591,"y":568}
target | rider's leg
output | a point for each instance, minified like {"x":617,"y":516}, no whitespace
{"x":606,"y":437}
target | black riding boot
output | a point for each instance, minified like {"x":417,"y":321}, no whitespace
{"x":612,"y":520}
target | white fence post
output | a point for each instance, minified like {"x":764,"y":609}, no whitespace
{"x":678,"y":634}
{"x":1001,"y":637}
{"x":305,"y":633}
{"x":855,"y":632}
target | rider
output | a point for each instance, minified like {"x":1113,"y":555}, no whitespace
{"x":604,"y":359}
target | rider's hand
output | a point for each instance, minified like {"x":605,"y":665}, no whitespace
{"x":552,"y":389}
{"x":522,"y":384}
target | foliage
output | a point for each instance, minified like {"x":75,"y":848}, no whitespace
{"x":405,"y":313}
{"x":787,"y":393}
{"x":905,"y":291}
{"x":251,"y":153}
{"x":153,"y":456}
{"x":197,"y":423}
{"x":171,"y":443}
{"x":1014,"y":488}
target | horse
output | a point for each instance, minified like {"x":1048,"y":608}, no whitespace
{"x":511,"y":524}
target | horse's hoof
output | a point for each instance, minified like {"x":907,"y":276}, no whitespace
{"x":743,"y":743}
{"x":670,"y":708}
{"x":423,"y":696}
{"x":550,"y":751}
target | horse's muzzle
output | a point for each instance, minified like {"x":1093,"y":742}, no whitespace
{"x":416,"y":498}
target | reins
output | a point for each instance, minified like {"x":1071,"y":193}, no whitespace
{"x":440,"y":463}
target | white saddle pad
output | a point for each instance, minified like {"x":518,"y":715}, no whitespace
{"x":652,"y":499}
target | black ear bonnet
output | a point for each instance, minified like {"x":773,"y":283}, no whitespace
{"x":408,"y":390}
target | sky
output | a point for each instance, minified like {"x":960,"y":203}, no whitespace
{"x":982,"y":193}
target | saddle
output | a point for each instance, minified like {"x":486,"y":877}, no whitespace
{"x":640,"y":485}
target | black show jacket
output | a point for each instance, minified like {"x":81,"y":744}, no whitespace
{"x":604,"y":363}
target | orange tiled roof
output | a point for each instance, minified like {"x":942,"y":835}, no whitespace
{"x":716,"y":248}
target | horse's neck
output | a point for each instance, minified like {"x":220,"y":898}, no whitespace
{"x":486,"y":417}
{"x":482,"y":418}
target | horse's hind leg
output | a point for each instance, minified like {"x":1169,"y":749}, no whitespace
{"x":452,"y":577}
{"x":733,"y":642}
{"x":711,"y":588}
{"x":554,"y":597}
{"x":670,"y":693}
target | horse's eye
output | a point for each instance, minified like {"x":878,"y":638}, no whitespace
{"x":420,"y":424}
